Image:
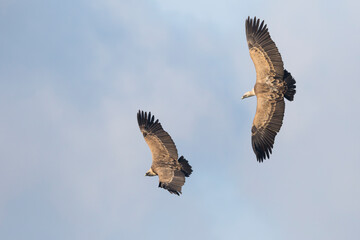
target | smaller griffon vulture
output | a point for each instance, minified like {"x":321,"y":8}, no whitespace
{"x":273,"y":83}
{"x":165,"y":163}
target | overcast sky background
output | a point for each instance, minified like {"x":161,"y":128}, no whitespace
{"x":73,"y":75}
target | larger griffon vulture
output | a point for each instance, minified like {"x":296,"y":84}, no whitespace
{"x":273,"y":83}
{"x":165,"y":163}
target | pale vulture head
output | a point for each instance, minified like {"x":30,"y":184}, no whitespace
{"x":150,"y":173}
{"x":249,"y":94}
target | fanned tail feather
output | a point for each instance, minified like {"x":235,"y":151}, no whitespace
{"x":291,"y":87}
{"x":185,"y":166}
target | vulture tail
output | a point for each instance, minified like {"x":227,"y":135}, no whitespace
{"x":185,"y":166}
{"x":291,"y":87}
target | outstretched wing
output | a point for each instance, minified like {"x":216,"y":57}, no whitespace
{"x":170,"y":179}
{"x":159,"y":141}
{"x":263,"y":51}
{"x":267,"y":123}
{"x":269,"y":88}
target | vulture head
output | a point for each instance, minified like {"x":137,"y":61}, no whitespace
{"x":249,"y":94}
{"x":150,"y":173}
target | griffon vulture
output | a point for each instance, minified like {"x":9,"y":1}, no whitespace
{"x":273,"y":83}
{"x":165,"y":163}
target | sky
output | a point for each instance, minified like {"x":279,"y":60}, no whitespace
{"x":73,"y":75}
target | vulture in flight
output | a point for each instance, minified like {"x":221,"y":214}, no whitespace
{"x":273,"y":83}
{"x":165,"y":163}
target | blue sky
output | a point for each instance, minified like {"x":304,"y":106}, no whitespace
{"x":73,"y":75}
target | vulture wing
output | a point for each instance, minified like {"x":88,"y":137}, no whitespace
{"x":170,"y":179}
{"x":267,"y":123}
{"x":263,"y":51}
{"x":161,"y":145}
{"x":269,"y":88}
